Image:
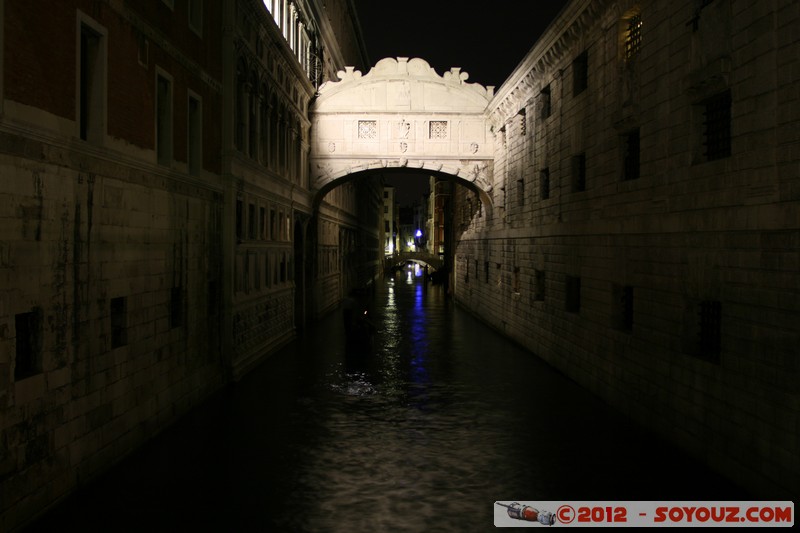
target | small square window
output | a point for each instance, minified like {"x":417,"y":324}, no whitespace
{"x":119,"y":322}
{"x":176,"y":307}
{"x":579,"y":172}
{"x":710,"y":322}
{"x":544,"y":183}
{"x":630,"y":155}
{"x":572,"y":294}
{"x":580,"y":74}
{"x":28,"y":329}
{"x":538,"y":285}
{"x":717,"y":126}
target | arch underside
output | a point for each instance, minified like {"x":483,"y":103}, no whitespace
{"x":416,"y":257}
{"x":474,"y":174}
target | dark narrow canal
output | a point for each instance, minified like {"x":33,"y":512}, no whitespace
{"x":441,"y":420}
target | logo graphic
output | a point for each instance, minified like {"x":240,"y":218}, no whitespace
{"x":528,"y":513}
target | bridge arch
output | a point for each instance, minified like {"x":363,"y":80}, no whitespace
{"x":402,"y":116}
{"x":423,"y":258}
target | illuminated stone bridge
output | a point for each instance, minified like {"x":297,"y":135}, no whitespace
{"x":418,"y":257}
{"x":402,"y":115}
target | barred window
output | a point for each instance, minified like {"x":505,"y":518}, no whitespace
{"x":633,"y":37}
{"x":437,"y":129}
{"x":710,"y":329}
{"x":544,"y":98}
{"x":572,"y":294}
{"x":367,"y":129}
{"x":119,"y":321}
{"x":176,"y":304}
{"x":538,"y":285}
{"x":580,"y":74}
{"x":544,"y":183}
{"x":717,"y":126}
{"x":28,"y":359}
{"x":623,"y":307}
{"x":630,"y":155}
{"x":579,"y":172}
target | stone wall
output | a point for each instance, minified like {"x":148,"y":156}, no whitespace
{"x":659,"y":272}
{"x":106,"y":330}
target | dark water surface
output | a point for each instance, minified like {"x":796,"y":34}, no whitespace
{"x":424,"y":434}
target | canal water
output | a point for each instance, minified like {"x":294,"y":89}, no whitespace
{"x":421,"y":432}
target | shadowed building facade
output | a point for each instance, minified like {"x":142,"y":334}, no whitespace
{"x":646,"y":233}
{"x":158,"y":238}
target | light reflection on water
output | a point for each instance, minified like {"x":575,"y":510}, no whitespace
{"x":443,"y":418}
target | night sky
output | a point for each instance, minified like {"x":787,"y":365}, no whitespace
{"x":487,"y":43}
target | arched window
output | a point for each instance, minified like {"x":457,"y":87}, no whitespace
{"x":263,"y":155}
{"x":273,"y":133}
{"x":630,"y":30}
{"x":252,"y":112}
{"x":240,"y":104}
{"x":282,"y":118}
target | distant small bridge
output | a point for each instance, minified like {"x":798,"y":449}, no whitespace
{"x":418,"y":257}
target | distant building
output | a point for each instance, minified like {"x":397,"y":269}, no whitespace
{"x":389,"y":224}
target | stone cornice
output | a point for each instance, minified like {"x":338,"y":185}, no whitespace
{"x":558,"y":39}
{"x":393,"y":69}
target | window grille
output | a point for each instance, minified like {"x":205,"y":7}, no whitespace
{"x":437,"y":129}
{"x":367,"y":129}
{"x":624,"y":296}
{"x":580,"y":74}
{"x":717,"y":125}
{"x":633,"y":37}
{"x":176,"y":307}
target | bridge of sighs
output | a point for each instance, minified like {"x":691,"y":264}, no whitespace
{"x":402,"y":116}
